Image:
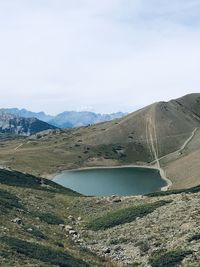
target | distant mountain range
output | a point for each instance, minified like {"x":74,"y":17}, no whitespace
{"x":13,"y":124}
{"x":67,"y":119}
{"x":27,"y":114}
{"x":71,"y":119}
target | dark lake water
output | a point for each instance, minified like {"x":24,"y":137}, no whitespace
{"x":114,"y":181}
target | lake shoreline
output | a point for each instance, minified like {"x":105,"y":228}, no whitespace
{"x":161,"y":171}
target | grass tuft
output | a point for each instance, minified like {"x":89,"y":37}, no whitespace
{"x":195,"y":189}
{"x":15,"y":178}
{"x":49,"y":218}
{"x":171,"y":258}
{"x":9,"y":201}
{"x":195,"y":237}
{"x":43,"y":253}
{"x":123,"y":216}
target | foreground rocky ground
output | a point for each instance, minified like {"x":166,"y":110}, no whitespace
{"x":43,"y":224}
{"x":172,"y":227}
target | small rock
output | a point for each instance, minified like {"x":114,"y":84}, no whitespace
{"x":68,"y":228}
{"x":79,"y":219}
{"x":72,"y":232}
{"x":62,"y":226}
{"x":117,"y":200}
{"x":70,"y":217}
{"x":106,"y":250}
{"x":17,"y":221}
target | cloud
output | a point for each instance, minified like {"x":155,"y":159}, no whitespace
{"x":58,"y":55}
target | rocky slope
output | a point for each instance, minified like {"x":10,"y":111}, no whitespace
{"x":11,"y":124}
{"x":154,"y":239}
{"x":33,"y":212}
{"x":44,"y":224}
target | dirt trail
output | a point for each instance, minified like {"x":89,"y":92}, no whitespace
{"x":188,"y":140}
{"x":19,"y":146}
{"x":16,"y":148}
{"x":151,"y":135}
{"x":180,"y":149}
{"x":152,"y":141}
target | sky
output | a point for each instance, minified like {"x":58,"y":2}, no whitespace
{"x":103,"y":56}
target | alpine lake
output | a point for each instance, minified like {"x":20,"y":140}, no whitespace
{"x":123,"y":181}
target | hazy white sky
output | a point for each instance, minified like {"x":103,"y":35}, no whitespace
{"x":105,"y":56}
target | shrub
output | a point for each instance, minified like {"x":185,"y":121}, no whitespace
{"x":34,"y":232}
{"x":43,"y":253}
{"x":171,"y":258}
{"x":195,"y":237}
{"x":49,"y":218}
{"x":143,"y":245}
{"x":124,"y":216}
{"x":9,"y":201}
{"x":118,"y":241}
{"x":195,"y":189}
{"x":14,"y":178}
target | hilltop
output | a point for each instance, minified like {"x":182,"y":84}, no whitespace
{"x":164,"y":134}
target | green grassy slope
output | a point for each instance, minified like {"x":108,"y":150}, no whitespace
{"x":38,"y":240}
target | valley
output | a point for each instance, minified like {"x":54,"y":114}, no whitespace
{"x":164,"y":135}
{"x":158,"y":229}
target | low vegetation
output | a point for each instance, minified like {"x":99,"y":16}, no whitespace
{"x":31,"y":234}
{"x":123,"y":216}
{"x":9,"y":201}
{"x":171,"y":258}
{"x":49,"y":218}
{"x":29,"y":181}
{"x":195,"y":189}
{"x":195,"y":237}
{"x":35,"y":232}
{"x":42,"y":253}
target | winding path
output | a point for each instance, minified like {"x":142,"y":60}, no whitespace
{"x":152,"y":142}
{"x":180,"y":149}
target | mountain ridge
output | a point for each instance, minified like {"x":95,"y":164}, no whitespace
{"x":12,"y":124}
{"x":66,"y":119}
